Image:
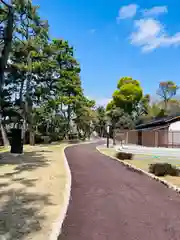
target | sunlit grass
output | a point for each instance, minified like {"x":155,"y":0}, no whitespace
{"x":144,"y":164}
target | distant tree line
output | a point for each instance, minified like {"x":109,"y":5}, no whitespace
{"x":130,"y":106}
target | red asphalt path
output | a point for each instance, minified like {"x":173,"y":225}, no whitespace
{"x":110,"y":202}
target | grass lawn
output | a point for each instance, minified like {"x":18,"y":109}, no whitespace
{"x":32,"y":190}
{"x":143,"y":164}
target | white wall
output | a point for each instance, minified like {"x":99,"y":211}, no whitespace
{"x":174,"y":133}
{"x":174,"y":126}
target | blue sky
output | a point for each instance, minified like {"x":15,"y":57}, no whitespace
{"x":119,"y":38}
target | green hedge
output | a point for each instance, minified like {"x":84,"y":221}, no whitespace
{"x":163,"y":169}
{"x":124,"y":156}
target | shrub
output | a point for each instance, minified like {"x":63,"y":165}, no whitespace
{"x":73,"y":136}
{"x":163,"y":169}
{"x":46,"y":139}
{"x":124,"y":156}
{"x":55,"y":137}
{"x":38,"y":138}
{"x":74,"y":141}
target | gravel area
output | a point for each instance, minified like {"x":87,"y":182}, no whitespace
{"x":31,"y":192}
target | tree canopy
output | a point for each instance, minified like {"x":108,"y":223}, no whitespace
{"x":128,"y":94}
{"x":130,"y":100}
{"x":167,"y":90}
{"x":40,"y":83}
{"x":41,"y":90}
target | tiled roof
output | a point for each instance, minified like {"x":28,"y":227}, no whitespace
{"x":159,"y":122}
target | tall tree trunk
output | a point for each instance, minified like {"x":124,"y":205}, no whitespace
{"x":3,"y":63}
{"x":102,"y":133}
{"x":4,"y":135}
{"x":21,"y":106}
{"x":21,"y":93}
{"x":29,"y":104}
{"x":114,"y":137}
{"x":31,"y":137}
{"x":8,"y":31}
{"x":31,"y":128}
{"x":165,"y":105}
{"x":69,"y":118}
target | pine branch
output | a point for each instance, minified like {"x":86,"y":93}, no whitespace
{"x":2,"y":10}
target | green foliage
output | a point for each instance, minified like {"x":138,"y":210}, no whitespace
{"x":166,"y":91}
{"x":110,"y":105}
{"x":100,"y":124}
{"x":120,"y":119}
{"x":157,"y":110}
{"x":142,"y":108}
{"x":41,"y":86}
{"x":42,"y":81}
{"x":173,"y":107}
{"x":73,"y":136}
{"x":128,"y":100}
{"x":128,"y":105}
{"x":124,"y":156}
{"x":154,"y":110}
{"x":85,"y":117}
{"x":163,"y":169}
{"x":128,"y":94}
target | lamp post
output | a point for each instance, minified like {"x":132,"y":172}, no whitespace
{"x":108,"y":131}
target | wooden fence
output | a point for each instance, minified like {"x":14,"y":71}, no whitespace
{"x":150,"y":138}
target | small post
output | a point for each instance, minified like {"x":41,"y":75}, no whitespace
{"x":108,"y":136}
{"x":127,"y":137}
{"x":156,"y":139}
{"x":172,"y":139}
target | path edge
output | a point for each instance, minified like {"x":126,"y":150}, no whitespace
{"x":141,"y":171}
{"x":57,"y":226}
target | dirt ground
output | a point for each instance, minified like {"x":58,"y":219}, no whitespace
{"x":31,"y":192}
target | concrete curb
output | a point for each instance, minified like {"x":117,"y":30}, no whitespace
{"x":57,"y":226}
{"x":135,"y":169}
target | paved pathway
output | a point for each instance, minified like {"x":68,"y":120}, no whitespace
{"x":110,"y":202}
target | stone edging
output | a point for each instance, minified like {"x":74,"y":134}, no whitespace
{"x":132,"y":167}
{"x":57,"y":226}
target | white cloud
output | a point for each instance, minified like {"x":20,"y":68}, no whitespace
{"x":155,"y":11}
{"x":151,"y":34}
{"x":128,"y":11}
